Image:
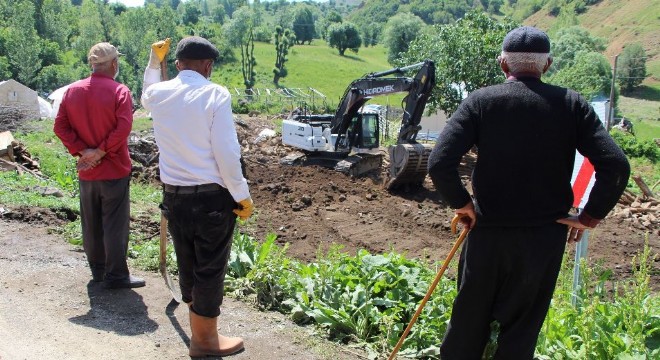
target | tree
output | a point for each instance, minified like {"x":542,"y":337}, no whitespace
{"x":240,"y":32}
{"x":344,"y":36}
{"x":22,"y":44}
{"x":191,"y":13}
{"x":303,"y":24}
{"x":571,"y":41}
{"x":284,"y":40}
{"x":631,"y":67}
{"x":465,"y":55}
{"x":370,"y":34}
{"x":90,"y":29}
{"x":400,"y":31}
{"x":590,"y":75}
{"x":137,"y":30}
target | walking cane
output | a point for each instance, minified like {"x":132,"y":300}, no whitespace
{"x":461,"y":237}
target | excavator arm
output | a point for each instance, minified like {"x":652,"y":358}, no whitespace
{"x":376,"y":84}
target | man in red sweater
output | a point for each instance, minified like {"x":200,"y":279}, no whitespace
{"x":93,"y":122}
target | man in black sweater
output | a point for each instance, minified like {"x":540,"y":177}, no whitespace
{"x":526,"y":133}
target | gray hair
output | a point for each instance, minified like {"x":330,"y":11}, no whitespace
{"x":525,"y":61}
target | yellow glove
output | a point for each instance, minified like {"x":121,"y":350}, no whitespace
{"x":245,"y":209}
{"x":160,"y":48}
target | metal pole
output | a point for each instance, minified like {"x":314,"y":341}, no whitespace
{"x":580,"y":253}
{"x":610,"y":109}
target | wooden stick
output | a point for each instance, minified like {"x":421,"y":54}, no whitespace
{"x":433,"y":285}
{"x":642,"y":185}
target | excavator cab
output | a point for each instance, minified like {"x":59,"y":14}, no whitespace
{"x":364,"y":132}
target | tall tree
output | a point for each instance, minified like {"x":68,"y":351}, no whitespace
{"x":344,"y":36}
{"x":400,"y":31}
{"x":23,"y":45}
{"x":303,"y":24}
{"x":284,"y":40}
{"x":233,"y":5}
{"x":240,"y":31}
{"x":569,"y":42}
{"x":91,"y":29}
{"x":137,"y":30}
{"x":465,"y":56}
{"x":590,"y":75}
{"x":191,"y":13}
{"x":58,"y":21}
{"x":631,"y":67}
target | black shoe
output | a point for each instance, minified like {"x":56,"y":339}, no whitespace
{"x":98,"y":272}
{"x":127,"y":283}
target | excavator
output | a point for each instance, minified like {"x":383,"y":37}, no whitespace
{"x":349,"y":140}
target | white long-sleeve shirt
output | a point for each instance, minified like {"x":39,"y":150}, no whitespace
{"x":195,"y":131}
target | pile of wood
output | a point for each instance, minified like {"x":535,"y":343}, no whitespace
{"x":15,"y":156}
{"x":640,"y":211}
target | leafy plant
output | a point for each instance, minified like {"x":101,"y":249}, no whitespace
{"x":633,"y":147}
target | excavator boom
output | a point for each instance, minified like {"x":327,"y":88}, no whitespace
{"x":351,"y":130}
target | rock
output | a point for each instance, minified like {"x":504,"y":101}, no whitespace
{"x":342,"y":197}
{"x":297,"y":206}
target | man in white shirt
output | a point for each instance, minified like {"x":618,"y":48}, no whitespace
{"x":203,"y":185}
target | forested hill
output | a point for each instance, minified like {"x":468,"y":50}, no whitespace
{"x":619,"y":22}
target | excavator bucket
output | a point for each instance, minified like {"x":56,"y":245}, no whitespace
{"x":408,"y":165}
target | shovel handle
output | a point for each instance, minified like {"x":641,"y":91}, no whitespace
{"x":163,"y":70}
{"x":457,"y":245}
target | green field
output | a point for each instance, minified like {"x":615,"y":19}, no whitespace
{"x":316,"y":65}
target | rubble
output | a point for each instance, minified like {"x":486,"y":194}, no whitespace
{"x":638,"y":211}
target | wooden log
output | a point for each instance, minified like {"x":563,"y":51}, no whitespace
{"x":642,"y":186}
{"x":10,"y":153}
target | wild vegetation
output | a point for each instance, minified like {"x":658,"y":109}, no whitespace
{"x":366,"y":298}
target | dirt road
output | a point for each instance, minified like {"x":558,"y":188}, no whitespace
{"x":49,"y":309}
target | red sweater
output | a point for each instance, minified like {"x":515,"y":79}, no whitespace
{"x":97,"y":112}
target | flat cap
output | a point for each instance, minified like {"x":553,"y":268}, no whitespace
{"x":526,"y":39}
{"x":196,"y":48}
{"x":102,"y":52}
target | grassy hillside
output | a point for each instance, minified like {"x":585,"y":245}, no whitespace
{"x":316,"y":65}
{"x":620,"y":22}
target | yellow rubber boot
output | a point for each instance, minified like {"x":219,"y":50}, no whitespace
{"x":206,"y":341}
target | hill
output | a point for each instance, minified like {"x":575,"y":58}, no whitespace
{"x":316,"y":65}
{"x":620,"y":23}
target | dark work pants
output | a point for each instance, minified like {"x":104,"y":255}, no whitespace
{"x":202,"y":227}
{"x":104,"y":215}
{"x":507,"y":275}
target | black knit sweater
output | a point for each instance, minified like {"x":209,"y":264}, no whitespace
{"x":526,"y":133}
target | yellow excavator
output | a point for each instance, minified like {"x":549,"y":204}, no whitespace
{"x":349,"y":140}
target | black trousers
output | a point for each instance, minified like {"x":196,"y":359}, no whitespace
{"x":202,"y":227}
{"x":506,"y":275}
{"x":104,"y":215}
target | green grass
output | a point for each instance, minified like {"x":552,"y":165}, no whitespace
{"x":645,"y":114}
{"x":316,"y":65}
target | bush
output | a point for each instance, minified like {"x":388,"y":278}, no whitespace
{"x":634,"y":148}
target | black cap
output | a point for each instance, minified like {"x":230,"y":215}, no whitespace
{"x":196,"y":48}
{"x":526,"y":39}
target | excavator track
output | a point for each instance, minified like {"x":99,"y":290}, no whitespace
{"x":408,"y":165}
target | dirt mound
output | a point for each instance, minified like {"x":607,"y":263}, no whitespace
{"x":312,"y":208}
